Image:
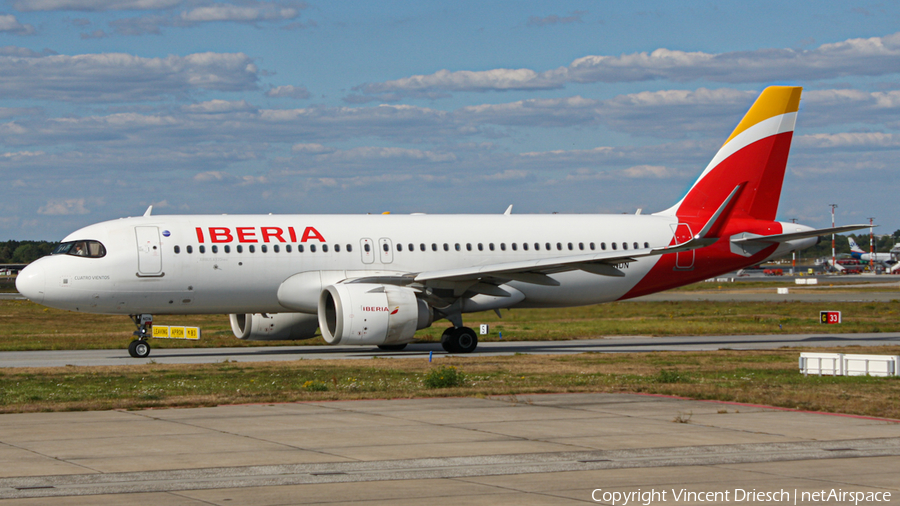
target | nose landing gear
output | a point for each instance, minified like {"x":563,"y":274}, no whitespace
{"x":140,"y":348}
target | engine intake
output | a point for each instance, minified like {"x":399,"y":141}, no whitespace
{"x":273,"y":326}
{"x":368,"y":313}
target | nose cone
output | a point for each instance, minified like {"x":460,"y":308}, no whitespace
{"x":31,"y":282}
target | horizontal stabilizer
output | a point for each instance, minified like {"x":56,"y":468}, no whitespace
{"x":779,"y":238}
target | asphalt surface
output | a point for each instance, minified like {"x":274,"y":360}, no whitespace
{"x":556,"y":449}
{"x":423,"y":351}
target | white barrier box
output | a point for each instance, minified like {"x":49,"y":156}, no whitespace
{"x":870,"y":365}
{"x":782,"y":291}
{"x":819,"y":364}
{"x":840,"y":364}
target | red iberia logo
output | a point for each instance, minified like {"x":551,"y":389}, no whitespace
{"x":380,"y":309}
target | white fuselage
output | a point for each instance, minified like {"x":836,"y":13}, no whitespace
{"x":127,"y":280}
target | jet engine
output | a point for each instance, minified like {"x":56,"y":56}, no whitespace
{"x":373,"y":314}
{"x":274,"y":326}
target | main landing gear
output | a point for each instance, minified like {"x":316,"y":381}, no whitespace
{"x":140,"y":348}
{"x":459,"y":340}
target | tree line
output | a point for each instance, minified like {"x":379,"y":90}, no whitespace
{"x":23,"y":252}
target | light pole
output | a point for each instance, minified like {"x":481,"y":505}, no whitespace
{"x":833,"y":263}
{"x":794,"y":256}
{"x":871,"y":246}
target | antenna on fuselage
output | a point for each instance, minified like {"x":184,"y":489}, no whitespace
{"x":508,"y":210}
{"x":148,"y":211}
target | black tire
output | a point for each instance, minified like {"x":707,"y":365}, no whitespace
{"x":139,"y":348}
{"x":447,"y":340}
{"x":466,"y":340}
{"x":459,"y":340}
{"x":391,"y":347}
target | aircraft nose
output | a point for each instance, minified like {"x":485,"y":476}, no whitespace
{"x":31,"y":282}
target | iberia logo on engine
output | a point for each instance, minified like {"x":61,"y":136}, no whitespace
{"x":380,"y":309}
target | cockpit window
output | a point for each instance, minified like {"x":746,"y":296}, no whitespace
{"x":88,"y":249}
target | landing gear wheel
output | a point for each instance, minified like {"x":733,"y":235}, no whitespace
{"x":459,"y":340}
{"x":139,"y":348}
{"x":447,"y":340}
{"x":391,"y":347}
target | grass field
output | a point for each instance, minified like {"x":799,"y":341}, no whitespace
{"x":756,"y":377}
{"x":760,"y":377}
{"x":28,"y":326}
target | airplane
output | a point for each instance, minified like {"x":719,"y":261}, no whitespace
{"x":858,"y":253}
{"x":374,"y":280}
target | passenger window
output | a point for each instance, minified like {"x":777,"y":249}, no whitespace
{"x":202,"y":249}
{"x":299,"y":248}
{"x":547,"y":246}
{"x":491,"y":246}
{"x":646,"y":244}
{"x":177,"y":250}
{"x":312,"y":248}
{"x":275,"y":248}
{"x":337,"y":248}
{"x":349,"y":248}
{"x":446,"y":247}
{"x":421,"y":246}
{"x":457,"y":247}
{"x":559,"y":246}
{"x":537,"y":246}
{"x":525,"y":246}
{"x":569,"y":245}
{"x":264,"y":248}
{"x":287,"y":248}
{"x":433,"y":247}
{"x":325,"y":248}
{"x":410,"y":247}
{"x":603,"y":246}
{"x":468,"y":246}
{"x":581,"y":246}
{"x":593,"y":247}
{"x":240,"y":249}
{"x":624,"y":245}
{"x":367,"y":248}
{"x":635,"y":245}
{"x":515,"y":247}
{"x":385,"y":247}
{"x":227,"y":249}
{"x":215,"y":249}
{"x":251,"y":248}
{"x":613,"y":245}
{"x":480,"y":247}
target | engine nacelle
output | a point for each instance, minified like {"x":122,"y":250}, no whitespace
{"x":372,"y":314}
{"x":274,"y":326}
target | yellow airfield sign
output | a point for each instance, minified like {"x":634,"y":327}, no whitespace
{"x":171,"y":332}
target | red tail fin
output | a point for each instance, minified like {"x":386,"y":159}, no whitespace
{"x":755,"y":155}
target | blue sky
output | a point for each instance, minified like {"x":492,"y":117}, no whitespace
{"x":198,"y":106}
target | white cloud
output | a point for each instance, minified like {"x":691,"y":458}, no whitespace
{"x":9,"y":24}
{"x":650,"y":171}
{"x":63,"y":207}
{"x":93,"y":5}
{"x":850,"y":140}
{"x":875,"y":56}
{"x":288,"y":91}
{"x":219,"y":107}
{"x":262,"y":11}
{"x":111,"y":77}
